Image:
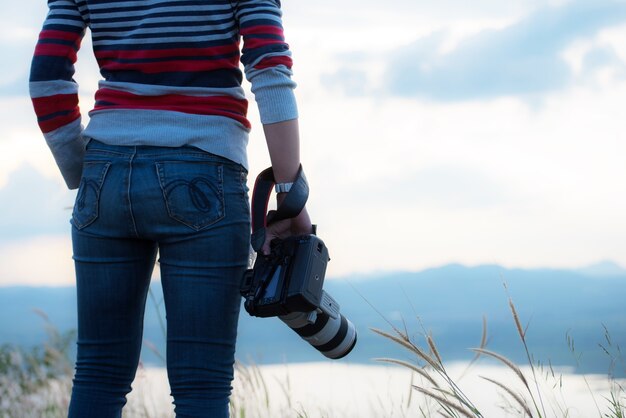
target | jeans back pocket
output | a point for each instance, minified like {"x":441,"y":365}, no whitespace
{"x":87,"y":201}
{"x":193,"y":191}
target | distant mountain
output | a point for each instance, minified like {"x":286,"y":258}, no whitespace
{"x":603,"y":269}
{"x":448,"y":301}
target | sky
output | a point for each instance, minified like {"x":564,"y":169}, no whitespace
{"x":481,"y":132}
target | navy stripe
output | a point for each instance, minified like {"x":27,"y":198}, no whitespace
{"x":251,"y":55}
{"x":54,"y":115}
{"x":56,"y":41}
{"x":45,"y":68}
{"x":69,"y":8}
{"x":266,"y":36}
{"x":260,"y":22}
{"x":217,"y":78}
{"x":64,"y":28}
{"x":163,"y":45}
{"x":170,"y":58}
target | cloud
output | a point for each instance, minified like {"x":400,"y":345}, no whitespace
{"x":33,"y":204}
{"x":14,"y":74}
{"x":35,"y":247}
{"x":524,"y":58}
{"x":353,"y":82}
{"x":17,"y":87}
{"x":438,"y":186}
{"x":601,"y":57}
{"x":37,"y":261}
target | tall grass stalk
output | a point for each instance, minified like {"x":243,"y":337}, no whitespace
{"x":522,"y":334}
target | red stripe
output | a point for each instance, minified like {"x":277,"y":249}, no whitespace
{"x":252,"y":43}
{"x":56,"y":50}
{"x":207,"y":105}
{"x":274,"y":62}
{"x":57,"y":34}
{"x":262,"y":29}
{"x":55,"y":123}
{"x":125,"y":98}
{"x":166,"y":53}
{"x":171,"y":66}
{"x":52,"y":104}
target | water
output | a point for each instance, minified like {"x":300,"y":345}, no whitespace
{"x":340,"y":390}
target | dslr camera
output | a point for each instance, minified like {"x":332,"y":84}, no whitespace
{"x":288,"y":283}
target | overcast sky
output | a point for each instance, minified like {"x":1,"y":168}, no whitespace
{"x":433,"y":132}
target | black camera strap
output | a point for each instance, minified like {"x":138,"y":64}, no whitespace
{"x":290,"y":207}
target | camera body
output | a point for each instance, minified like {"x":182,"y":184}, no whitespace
{"x":288,"y":280}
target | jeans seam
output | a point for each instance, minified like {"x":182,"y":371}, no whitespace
{"x":133,"y":224}
{"x":242,"y":190}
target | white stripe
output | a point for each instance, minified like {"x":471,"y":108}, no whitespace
{"x":57,"y":4}
{"x":260,"y":16}
{"x":50,"y":88}
{"x":64,"y":134}
{"x":156,"y":90}
{"x":77,"y":23}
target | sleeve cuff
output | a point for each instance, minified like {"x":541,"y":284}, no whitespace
{"x":68,"y":153}
{"x":274,"y":95}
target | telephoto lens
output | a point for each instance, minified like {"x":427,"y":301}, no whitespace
{"x":326,"y":329}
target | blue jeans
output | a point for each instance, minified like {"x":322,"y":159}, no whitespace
{"x":192,"y":209}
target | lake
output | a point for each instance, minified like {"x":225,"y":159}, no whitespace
{"x":343,"y":390}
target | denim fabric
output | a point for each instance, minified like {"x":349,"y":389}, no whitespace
{"x":192,"y":209}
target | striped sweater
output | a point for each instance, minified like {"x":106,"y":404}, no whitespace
{"x":171,"y":74}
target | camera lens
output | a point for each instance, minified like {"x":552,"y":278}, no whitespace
{"x":333,"y":337}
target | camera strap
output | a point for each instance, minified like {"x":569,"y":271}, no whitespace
{"x":290,"y":207}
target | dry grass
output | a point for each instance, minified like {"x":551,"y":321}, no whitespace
{"x":452,"y":401}
{"x":36,"y":383}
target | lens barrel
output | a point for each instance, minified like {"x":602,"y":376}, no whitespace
{"x":334,"y":337}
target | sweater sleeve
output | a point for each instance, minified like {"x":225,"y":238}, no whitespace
{"x":267,"y":59}
{"x":53,"y":91}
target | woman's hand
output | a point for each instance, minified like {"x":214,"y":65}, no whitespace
{"x":300,"y":225}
